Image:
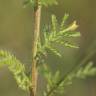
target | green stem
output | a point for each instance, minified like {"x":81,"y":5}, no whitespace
{"x":74,"y":68}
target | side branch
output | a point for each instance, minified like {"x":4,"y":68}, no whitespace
{"x":74,"y":68}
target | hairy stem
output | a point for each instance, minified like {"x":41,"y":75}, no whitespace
{"x":37,"y":14}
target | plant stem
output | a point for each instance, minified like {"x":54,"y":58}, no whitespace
{"x":37,"y":15}
{"x":73,"y":69}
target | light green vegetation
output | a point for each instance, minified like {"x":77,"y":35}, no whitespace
{"x":56,"y":34}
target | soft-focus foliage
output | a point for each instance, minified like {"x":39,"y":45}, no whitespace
{"x":56,"y":85}
{"x":48,"y":2}
{"x":54,"y":35}
{"x":57,"y":34}
{"x":41,"y":2}
{"x":17,"y":69}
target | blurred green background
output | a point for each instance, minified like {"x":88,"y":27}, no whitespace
{"x":16,"y":26}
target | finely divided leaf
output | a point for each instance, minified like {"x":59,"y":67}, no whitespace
{"x":17,"y":69}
